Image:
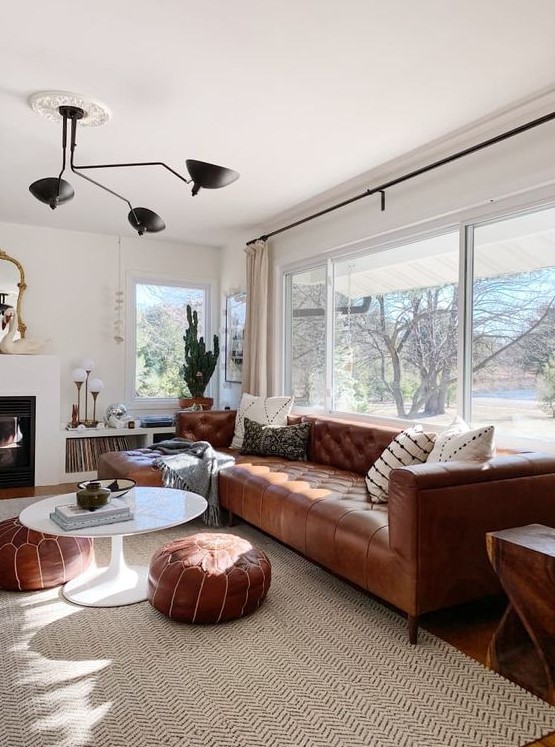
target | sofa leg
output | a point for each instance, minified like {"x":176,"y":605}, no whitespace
{"x":230,"y":521}
{"x":413,"y":629}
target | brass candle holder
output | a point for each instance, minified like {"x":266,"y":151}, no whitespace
{"x":80,"y":376}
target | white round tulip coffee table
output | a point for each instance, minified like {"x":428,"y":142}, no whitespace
{"x":117,"y":584}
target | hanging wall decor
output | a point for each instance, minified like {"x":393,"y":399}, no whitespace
{"x":235,"y":308}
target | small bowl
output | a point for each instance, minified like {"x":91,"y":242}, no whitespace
{"x":118,"y":486}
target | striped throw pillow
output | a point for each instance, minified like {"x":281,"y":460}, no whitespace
{"x":411,"y":446}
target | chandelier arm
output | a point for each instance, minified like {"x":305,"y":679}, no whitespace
{"x":75,"y":168}
{"x":64,"y":147}
{"x":98,"y":184}
{"x":124,"y":165}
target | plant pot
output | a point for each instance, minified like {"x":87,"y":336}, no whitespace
{"x":205,"y":402}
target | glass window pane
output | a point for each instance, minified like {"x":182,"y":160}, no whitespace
{"x":307,"y":337}
{"x":513,"y":340}
{"x":395,"y":327}
{"x":161,"y":321}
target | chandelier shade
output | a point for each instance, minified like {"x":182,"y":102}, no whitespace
{"x":144,"y":221}
{"x":209,"y":176}
{"x":54,"y":191}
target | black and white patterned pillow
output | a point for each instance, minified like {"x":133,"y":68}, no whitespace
{"x":287,"y":441}
{"x":411,"y":446}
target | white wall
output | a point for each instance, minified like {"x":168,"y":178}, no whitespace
{"x":72,"y":280}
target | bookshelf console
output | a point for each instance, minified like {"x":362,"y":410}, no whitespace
{"x":82,"y":448}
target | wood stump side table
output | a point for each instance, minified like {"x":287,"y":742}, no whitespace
{"x":523,"y":646}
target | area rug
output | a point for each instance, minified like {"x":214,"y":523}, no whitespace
{"x":318,"y":665}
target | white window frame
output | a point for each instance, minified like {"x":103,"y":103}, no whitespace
{"x":465,"y":221}
{"x":132,"y":280}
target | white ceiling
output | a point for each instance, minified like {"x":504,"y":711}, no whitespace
{"x":298,"y":96}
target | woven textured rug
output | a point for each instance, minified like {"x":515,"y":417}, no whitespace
{"x":318,"y":665}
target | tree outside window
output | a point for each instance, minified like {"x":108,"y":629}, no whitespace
{"x":160,"y":325}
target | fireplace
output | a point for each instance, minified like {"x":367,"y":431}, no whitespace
{"x":17,"y":441}
{"x":38,"y":376}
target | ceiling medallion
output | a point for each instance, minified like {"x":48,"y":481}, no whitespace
{"x":48,"y":103}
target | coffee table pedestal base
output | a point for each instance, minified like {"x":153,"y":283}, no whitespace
{"x":113,"y":586}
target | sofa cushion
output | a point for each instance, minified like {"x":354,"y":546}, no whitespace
{"x":411,"y":446}
{"x":289,"y":441}
{"x":459,"y":442}
{"x":264,"y":410}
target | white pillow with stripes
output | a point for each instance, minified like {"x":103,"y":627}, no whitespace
{"x":411,"y":446}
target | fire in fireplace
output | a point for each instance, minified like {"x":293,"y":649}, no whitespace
{"x":17,"y":441}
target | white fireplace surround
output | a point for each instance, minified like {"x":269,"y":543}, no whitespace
{"x":38,"y":376}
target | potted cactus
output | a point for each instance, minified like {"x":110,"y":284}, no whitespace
{"x":199,"y":364}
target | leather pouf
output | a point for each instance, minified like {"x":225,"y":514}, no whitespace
{"x":31,"y":560}
{"x":208,"y":578}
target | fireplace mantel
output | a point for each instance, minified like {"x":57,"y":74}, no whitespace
{"x":38,"y":376}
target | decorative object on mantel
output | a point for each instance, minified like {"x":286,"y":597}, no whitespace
{"x":8,"y":344}
{"x":199,"y":365}
{"x":116,"y":415}
{"x":95,"y":387}
{"x":79,"y":377}
{"x":73,"y":108}
{"x":12,"y":287}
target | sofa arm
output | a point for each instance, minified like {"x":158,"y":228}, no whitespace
{"x":505,"y":489}
{"x":215,"y":426}
{"x":439,"y":514}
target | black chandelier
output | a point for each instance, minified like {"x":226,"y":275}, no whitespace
{"x":54,"y":191}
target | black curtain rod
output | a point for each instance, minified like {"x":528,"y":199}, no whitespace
{"x":381,"y":189}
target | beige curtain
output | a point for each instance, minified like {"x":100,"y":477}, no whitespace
{"x":255,"y":363}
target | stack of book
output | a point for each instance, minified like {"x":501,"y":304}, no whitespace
{"x":72,"y":516}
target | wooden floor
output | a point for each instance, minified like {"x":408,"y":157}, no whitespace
{"x":468,"y":627}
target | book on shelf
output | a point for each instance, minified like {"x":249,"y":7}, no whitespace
{"x":92,"y":520}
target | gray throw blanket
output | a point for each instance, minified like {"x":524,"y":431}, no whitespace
{"x":194,"y":466}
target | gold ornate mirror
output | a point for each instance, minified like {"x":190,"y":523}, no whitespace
{"x":12,"y":287}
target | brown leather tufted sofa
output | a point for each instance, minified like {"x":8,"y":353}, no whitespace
{"x":423,"y":551}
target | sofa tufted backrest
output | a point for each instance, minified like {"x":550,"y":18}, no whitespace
{"x":214,"y":426}
{"x":350,"y":446}
{"x":338,"y":443}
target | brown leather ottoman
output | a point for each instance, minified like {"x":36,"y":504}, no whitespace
{"x":136,"y":464}
{"x":31,"y":560}
{"x":208,"y":578}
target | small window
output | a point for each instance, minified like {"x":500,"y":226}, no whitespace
{"x":160,"y":323}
